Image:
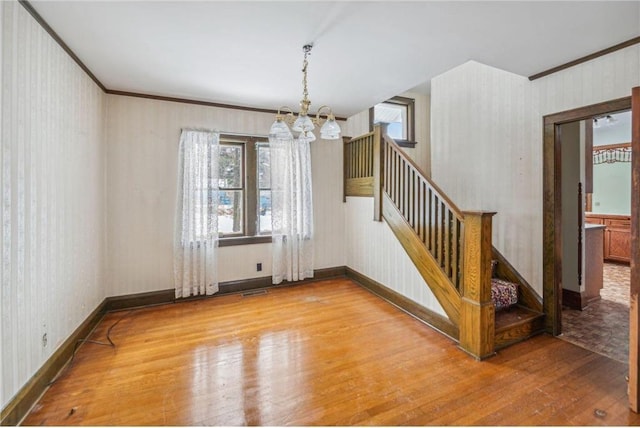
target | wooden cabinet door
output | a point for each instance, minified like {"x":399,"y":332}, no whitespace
{"x":620,"y":245}
{"x":617,"y":245}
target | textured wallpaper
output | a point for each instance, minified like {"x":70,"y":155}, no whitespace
{"x":142,"y":141}
{"x":374,"y":251}
{"x":52,"y":185}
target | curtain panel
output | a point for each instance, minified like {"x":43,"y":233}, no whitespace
{"x":292,"y":209}
{"x":196,"y":228}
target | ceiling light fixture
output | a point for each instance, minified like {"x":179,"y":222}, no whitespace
{"x":286,"y":122}
{"x":604,"y":120}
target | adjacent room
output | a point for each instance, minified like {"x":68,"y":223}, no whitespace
{"x":595,"y":309}
{"x":317,"y":213}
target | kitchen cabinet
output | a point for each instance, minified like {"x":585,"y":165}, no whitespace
{"x":617,"y":235}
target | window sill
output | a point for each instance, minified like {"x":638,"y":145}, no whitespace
{"x":244,"y":240}
{"x":406,"y":143}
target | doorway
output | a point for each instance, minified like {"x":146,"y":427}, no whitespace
{"x":552,"y":227}
{"x":552,"y":204}
{"x":596,"y":204}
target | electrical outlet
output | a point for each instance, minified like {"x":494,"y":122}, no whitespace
{"x":44,"y":340}
{"x":259,"y":267}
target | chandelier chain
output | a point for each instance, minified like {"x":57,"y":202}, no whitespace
{"x":305,"y":92}
{"x":304,"y":124}
{"x":305,"y":63}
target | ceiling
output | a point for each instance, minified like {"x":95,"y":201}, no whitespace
{"x":249,"y":53}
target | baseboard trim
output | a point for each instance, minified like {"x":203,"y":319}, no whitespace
{"x":432,"y":319}
{"x":29,"y":394}
{"x":573,"y":299}
{"x":233,"y":287}
{"x":160,"y":297}
{"x":139,"y":300}
{"x":577,"y":300}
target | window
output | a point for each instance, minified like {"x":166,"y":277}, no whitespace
{"x":264,"y":189}
{"x":398,"y":114}
{"x":244,"y":202}
{"x":231,"y":189}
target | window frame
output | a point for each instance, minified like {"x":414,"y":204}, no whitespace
{"x":250,"y":191}
{"x":409,"y":103}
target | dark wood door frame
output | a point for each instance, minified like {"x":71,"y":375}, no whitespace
{"x":552,"y":207}
{"x":634,"y":286}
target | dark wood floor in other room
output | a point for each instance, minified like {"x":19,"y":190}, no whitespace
{"x":321,"y":354}
{"x":603,"y":326}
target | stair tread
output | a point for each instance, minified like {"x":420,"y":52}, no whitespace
{"x":514,"y":316}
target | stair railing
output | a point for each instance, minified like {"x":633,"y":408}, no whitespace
{"x":358,"y":165}
{"x":436,"y":220}
{"x":450,"y":248}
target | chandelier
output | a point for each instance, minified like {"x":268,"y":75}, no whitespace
{"x":286,"y":122}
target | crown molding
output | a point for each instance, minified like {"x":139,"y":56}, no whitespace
{"x":40,"y":20}
{"x":60,"y":42}
{"x":594,"y":55}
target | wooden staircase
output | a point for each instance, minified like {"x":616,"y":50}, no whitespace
{"x":451,"y":248}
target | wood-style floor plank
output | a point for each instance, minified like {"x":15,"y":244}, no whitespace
{"x":326,"y":353}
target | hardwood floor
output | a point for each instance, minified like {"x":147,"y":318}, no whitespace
{"x":325,"y":353}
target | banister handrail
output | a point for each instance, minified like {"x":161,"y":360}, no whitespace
{"x":454,"y":208}
{"x":360,"y":137}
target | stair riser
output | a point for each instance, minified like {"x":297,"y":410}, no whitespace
{"x":519,"y":332}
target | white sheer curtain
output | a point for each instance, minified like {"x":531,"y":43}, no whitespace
{"x":196,"y":231}
{"x":291,"y":209}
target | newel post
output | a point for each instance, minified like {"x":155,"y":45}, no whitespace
{"x":379,"y":130}
{"x":346,"y":161}
{"x":477,"y":313}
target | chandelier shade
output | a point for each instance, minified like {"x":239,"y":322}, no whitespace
{"x":304,"y":124}
{"x":279,"y":129}
{"x":330,"y":130}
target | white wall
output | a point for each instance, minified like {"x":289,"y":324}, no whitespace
{"x":486,"y":139}
{"x":374,"y":251}
{"x":605,"y":78}
{"x":143,"y":137}
{"x":485,"y":155}
{"x":4,"y":389}
{"x":52,"y":181}
{"x":612,"y":188}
